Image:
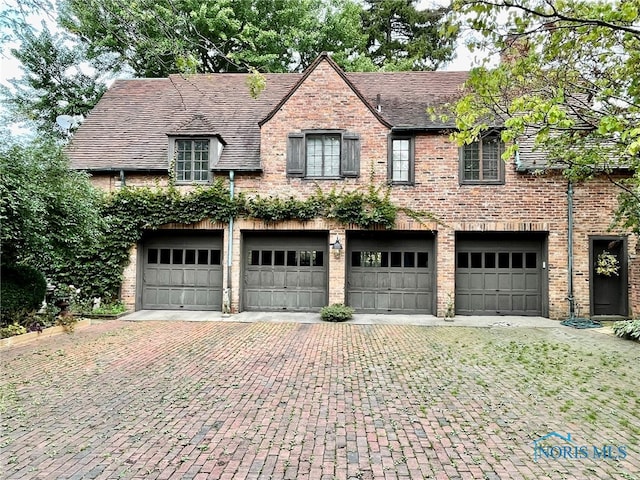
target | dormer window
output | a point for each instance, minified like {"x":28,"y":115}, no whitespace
{"x":193,"y":157}
{"x":192,"y":160}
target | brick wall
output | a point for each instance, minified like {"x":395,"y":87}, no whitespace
{"x":525,"y":203}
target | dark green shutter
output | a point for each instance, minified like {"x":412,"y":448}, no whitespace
{"x":350,"y":166}
{"x":295,"y":155}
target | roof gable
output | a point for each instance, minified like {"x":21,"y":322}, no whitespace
{"x":324,"y":57}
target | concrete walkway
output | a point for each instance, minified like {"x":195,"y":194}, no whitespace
{"x":358,"y":319}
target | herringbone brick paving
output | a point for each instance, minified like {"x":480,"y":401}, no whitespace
{"x":212,"y":400}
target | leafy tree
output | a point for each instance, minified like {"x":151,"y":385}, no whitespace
{"x":402,"y":37}
{"x":569,"y":79}
{"x":53,"y":84}
{"x":157,"y":37}
{"x":48,"y":213}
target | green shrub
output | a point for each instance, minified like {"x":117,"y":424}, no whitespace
{"x":336,"y":313}
{"x":627,"y":329}
{"x":22,"y":290}
{"x":12,"y":330}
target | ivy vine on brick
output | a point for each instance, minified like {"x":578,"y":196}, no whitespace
{"x":131,"y":211}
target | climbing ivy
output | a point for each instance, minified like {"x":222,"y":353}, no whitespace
{"x":131,"y":211}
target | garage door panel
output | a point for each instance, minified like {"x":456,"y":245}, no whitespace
{"x":390,"y":273}
{"x":477,"y":301}
{"x":498,"y":274}
{"x":505,"y":302}
{"x":381,"y":301}
{"x":182,"y":271}
{"x":396,"y":280}
{"x":425,"y":281}
{"x":490,"y":282}
{"x":163,"y":277}
{"x":410,"y":281}
{"x":477,"y":281}
{"x":531,"y":302}
{"x":176,"y":277}
{"x":518,"y":303}
{"x":292,"y":271}
{"x":517,"y":282}
{"x":318,"y":280}
{"x":462,"y":281}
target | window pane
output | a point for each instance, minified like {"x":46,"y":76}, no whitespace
{"x":165,"y":256}
{"x":384,"y":259}
{"x":400,"y":160}
{"x":292,"y":258}
{"x":266,"y":257}
{"x":278,"y":257}
{"x":476,"y":260}
{"x":177,"y":257}
{"x":254,"y":257}
{"x":355,"y":259}
{"x":192,"y":160}
{"x":503,"y":260}
{"x":215,"y":257}
{"x":323,"y":155}
{"x":531,"y":260}
{"x":463,"y":260}
{"x":396,"y":259}
{"x":203,"y":257}
{"x":318,"y":258}
{"x":489,"y":260}
{"x":471,"y":161}
{"x":490,"y":158}
{"x":371,"y":259}
{"x":305,"y":259}
{"x":423,"y":260}
{"x":409,"y":259}
{"x":314,"y":156}
{"x":332,"y":156}
{"x":189,"y":257}
{"x":516,"y":260}
{"x":152,"y":255}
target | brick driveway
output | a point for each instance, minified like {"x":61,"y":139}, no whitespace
{"x":212,"y":400}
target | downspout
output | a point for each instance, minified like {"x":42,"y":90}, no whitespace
{"x":123,"y":181}
{"x":226,"y":300}
{"x":572,"y":310}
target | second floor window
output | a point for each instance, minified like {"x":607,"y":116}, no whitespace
{"x":321,"y":154}
{"x":192,"y":160}
{"x":401,"y":160}
{"x":481,"y":162}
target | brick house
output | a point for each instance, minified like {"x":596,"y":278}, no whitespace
{"x":500,"y":245}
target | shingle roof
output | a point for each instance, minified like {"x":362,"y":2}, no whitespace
{"x":128,"y":128}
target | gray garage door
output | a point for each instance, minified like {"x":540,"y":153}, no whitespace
{"x":285,"y":271}
{"x":182,"y":272}
{"x":390,"y":273}
{"x":499,"y":276}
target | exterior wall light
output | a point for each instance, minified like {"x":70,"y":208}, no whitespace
{"x":336,"y":246}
